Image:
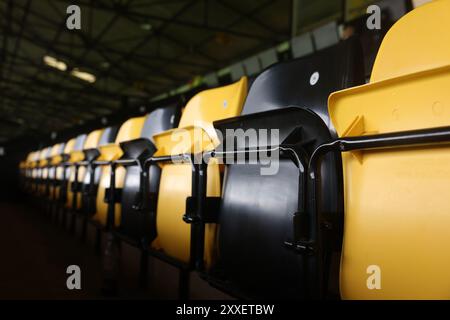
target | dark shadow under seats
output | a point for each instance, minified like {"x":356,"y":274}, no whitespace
{"x":137,"y":225}
{"x":257,"y":211}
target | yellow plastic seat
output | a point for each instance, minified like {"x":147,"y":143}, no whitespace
{"x":195,"y":133}
{"x":74,"y":156}
{"x":25,"y":171}
{"x":43,"y":164}
{"x":130,"y":130}
{"x":33,"y":170}
{"x":397,"y":221}
{"x":57,"y":161}
{"x":92,"y":141}
{"x":40,"y":170}
{"x":48,"y":171}
{"x":28,"y":161}
{"x":53,"y":166}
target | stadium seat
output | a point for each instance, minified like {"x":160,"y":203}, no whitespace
{"x":137,"y":217}
{"x":74,"y":191}
{"x":52,"y":163}
{"x":28,"y":171}
{"x":75,"y":155}
{"x":59,"y":165}
{"x":81,"y":194}
{"x":44,"y":167}
{"x":130,"y":130}
{"x":32,"y":171}
{"x":396,"y":198}
{"x":92,"y":176}
{"x":259,"y":212}
{"x":173,"y":234}
{"x":41,"y":170}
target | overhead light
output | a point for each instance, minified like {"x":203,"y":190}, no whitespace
{"x":86,"y":76}
{"x":146,"y":26}
{"x":55,"y":63}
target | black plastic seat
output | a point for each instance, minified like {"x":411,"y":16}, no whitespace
{"x":89,"y":187}
{"x":257,"y":211}
{"x":137,"y":222}
{"x":69,"y":175}
{"x":53,"y":163}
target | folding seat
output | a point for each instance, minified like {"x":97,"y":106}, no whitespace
{"x":43,"y":165}
{"x":23,"y":165}
{"x":91,"y":179}
{"x":129,"y":130}
{"x":262,"y":211}
{"x":50,"y":170}
{"x":70,"y":166}
{"x":41,"y":170}
{"x":139,"y":189}
{"x":58,"y":189}
{"x":27,"y":170}
{"x":33,"y":171}
{"x":58,"y":156}
{"x":394,"y":133}
{"x":194,"y":133}
{"x":74,"y":199}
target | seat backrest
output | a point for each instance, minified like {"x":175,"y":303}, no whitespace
{"x":160,"y":120}
{"x":308,"y":81}
{"x":215,"y":104}
{"x":109,"y":135}
{"x":45,"y":153}
{"x":35,"y":158}
{"x":396,"y":200}
{"x":79,"y":142}
{"x":130,"y":129}
{"x":35,"y":163}
{"x":69,"y":146}
{"x":196,"y":130}
{"x":30,"y":158}
{"x":57,"y":149}
{"x":93,"y":139}
{"x":403,"y":52}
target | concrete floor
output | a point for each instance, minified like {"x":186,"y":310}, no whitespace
{"x":36,"y":253}
{"x":35,"y":256}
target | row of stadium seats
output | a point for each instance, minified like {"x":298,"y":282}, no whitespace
{"x":361,"y":187}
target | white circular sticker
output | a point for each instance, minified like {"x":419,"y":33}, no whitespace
{"x":314,"y":78}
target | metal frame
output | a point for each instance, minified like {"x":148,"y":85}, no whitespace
{"x":37,"y":92}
